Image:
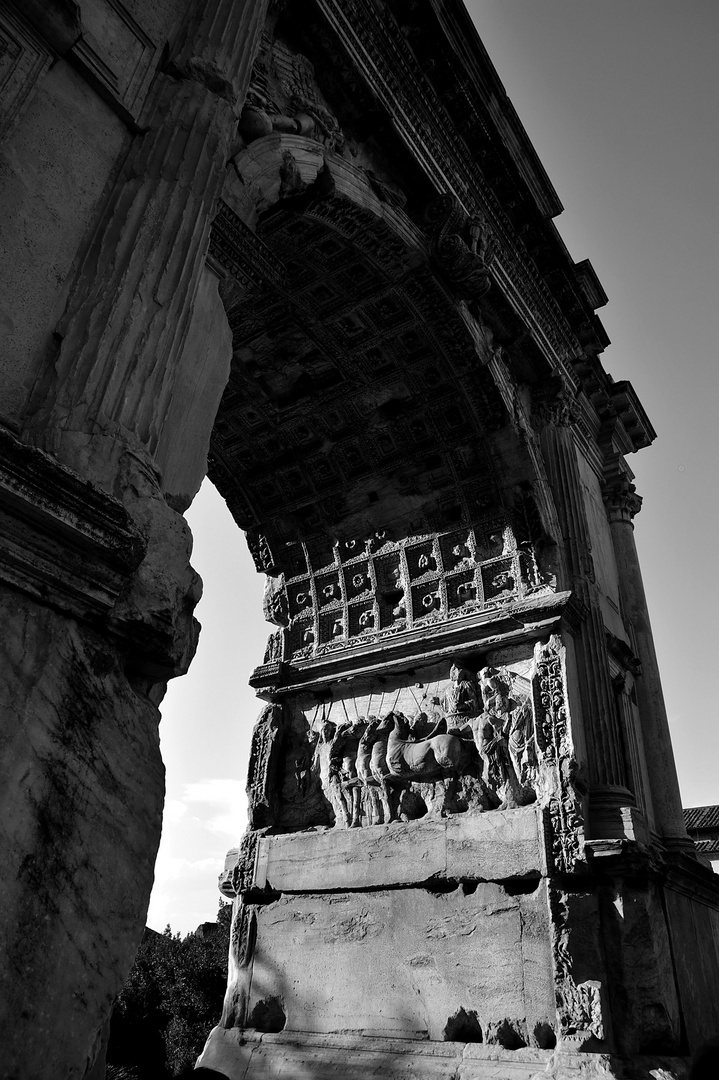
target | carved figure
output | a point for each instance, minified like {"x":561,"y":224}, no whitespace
{"x":461,"y":701}
{"x":491,"y":730}
{"x":303,"y":769}
{"x":343,"y":770}
{"x":520,"y":740}
{"x":428,"y":757}
{"x":372,"y":770}
{"x":327,"y":758}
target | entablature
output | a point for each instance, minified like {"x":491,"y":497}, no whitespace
{"x":437,"y":107}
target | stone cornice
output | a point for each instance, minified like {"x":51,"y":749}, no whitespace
{"x":513,"y":624}
{"x":63,"y":540}
{"x":382,"y":55}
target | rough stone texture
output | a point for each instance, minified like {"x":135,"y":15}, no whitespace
{"x":494,"y":846}
{"x":83,"y":781}
{"x":82,"y":789}
{"x":252,"y":1056}
{"x":644,"y":1002}
{"x":694,"y":930}
{"x":401,"y":964}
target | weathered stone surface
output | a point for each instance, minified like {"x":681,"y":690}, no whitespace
{"x":53,"y":167}
{"x":82,"y":787}
{"x":200,"y":379}
{"x":402,"y":963}
{"x":694,"y":931}
{"x":494,"y":846}
{"x":251,"y":1056}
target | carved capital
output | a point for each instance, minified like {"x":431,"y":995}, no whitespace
{"x":553,"y":404}
{"x":621,"y":500}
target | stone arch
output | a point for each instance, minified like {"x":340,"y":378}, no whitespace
{"x":365,"y":419}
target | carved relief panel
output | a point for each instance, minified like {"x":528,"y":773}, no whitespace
{"x":454,"y":740}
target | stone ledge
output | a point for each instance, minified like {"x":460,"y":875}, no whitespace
{"x":290,"y":1055}
{"x":63,"y":540}
{"x":489,"y":628}
{"x":492,"y":846}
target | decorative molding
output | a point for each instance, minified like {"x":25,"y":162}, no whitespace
{"x":63,"y":540}
{"x":24,"y":58}
{"x":241,"y":252}
{"x":120,"y":74}
{"x":513,"y":624}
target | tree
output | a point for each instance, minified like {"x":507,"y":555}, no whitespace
{"x":171,"y":1000}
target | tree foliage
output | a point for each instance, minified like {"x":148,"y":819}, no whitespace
{"x":170,"y":1002}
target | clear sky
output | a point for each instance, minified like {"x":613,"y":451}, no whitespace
{"x":620,"y":98}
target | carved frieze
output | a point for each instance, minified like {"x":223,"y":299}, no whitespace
{"x":462,"y":741}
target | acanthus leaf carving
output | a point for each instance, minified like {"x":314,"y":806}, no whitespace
{"x":553,"y":402}
{"x":563,"y":810}
{"x":579,"y":1005}
{"x":621,"y":499}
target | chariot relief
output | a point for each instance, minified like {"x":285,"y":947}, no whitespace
{"x":465,"y":741}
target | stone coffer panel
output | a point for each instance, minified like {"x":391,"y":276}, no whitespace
{"x":405,"y":963}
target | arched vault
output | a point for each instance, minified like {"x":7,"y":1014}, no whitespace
{"x":369,"y":431}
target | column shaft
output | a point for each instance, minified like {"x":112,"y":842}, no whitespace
{"x":661,"y":769}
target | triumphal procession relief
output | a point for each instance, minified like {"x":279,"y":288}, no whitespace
{"x":308,"y":249}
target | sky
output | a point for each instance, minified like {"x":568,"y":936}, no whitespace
{"x":620,"y":99}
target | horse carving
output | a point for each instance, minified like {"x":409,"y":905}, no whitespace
{"x":428,"y":757}
{"x":372,"y":768}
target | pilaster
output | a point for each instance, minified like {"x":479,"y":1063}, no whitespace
{"x":623,"y":503}
{"x":554,"y":412}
